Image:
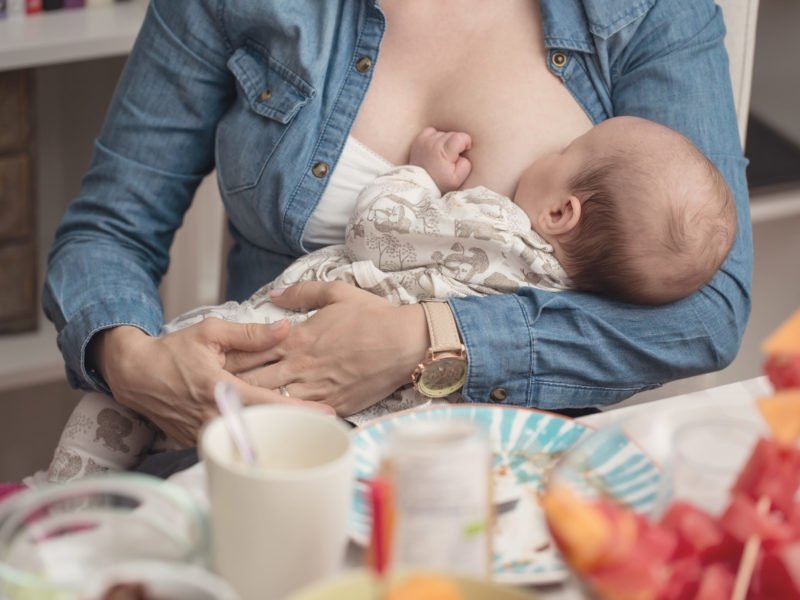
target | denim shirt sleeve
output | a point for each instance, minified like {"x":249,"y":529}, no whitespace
{"x":154,"y":149}
{"x":572,"y":350}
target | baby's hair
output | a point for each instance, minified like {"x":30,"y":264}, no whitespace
{"x":680,"y":253}
{"x":705,"y":231}
{"x":593,"y":252}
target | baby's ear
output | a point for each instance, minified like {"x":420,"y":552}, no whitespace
{"x":562,"y":217}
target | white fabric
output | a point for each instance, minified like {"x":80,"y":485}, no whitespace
{"x":357,"y":167}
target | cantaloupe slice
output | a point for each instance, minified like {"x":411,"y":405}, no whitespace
{"x":582,"y":531}
{"x":786,"y":339}
{"x":425,"y":587}
{"x":781,"y":411}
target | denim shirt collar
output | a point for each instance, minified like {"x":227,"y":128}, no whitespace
{"x":574,"y":24}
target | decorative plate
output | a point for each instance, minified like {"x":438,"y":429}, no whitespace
{"x":525,"y":443}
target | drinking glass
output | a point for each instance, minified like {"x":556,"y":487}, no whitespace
{"x":706,"y":459}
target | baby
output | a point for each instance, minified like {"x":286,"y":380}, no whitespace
{"x":631,"y":210}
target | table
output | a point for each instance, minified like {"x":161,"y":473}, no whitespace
{"x":733,"y":400}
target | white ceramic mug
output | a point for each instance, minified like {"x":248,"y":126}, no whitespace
{"x":284,"y":524}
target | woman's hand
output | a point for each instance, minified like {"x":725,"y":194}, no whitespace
{"x":354,"y":351}
{"x":170,"y":380}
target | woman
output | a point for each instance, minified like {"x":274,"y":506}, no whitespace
{"x":268,"y":91}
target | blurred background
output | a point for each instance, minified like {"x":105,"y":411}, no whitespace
{"x":57,"y":72}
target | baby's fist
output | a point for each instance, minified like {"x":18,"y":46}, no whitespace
{"x":441,"y":154}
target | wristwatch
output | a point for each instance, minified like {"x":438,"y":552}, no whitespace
{"x":444,"y":369}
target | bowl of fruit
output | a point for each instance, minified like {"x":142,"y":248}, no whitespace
{"x":722,"y":517}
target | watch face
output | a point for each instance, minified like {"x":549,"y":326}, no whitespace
{"x":443,"y":376}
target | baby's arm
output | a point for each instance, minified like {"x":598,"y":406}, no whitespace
{"x":440,"y":153}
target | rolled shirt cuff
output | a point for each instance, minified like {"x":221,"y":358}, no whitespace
{"x":94,"y":318}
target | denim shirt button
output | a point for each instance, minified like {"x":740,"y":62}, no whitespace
{"x":265,"y":95}
{"x":498,"y":394}
{"x":364,"y":64}
{"x":320,"y":169}
{"x":559,"y":60}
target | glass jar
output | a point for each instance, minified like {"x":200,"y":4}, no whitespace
{"x":440,"y":473}
{"x":56,"y":540}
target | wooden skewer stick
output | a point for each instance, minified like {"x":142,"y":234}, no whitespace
{"x":749,"y":556}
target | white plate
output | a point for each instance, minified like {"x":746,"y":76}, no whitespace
{"x":525,"y":443}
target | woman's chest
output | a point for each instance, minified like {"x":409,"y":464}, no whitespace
{"x":482,"y":71}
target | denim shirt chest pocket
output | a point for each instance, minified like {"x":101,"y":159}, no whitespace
{"x":269,"y":95}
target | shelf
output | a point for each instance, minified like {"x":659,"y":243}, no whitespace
{"x":70,"y":35}
{"x":30,"y":358}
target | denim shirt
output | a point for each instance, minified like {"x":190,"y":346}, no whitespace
{"x":193,"y":97}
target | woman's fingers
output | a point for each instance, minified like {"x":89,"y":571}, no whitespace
{"x":237,"y":361}
{"x":185,"y":433}
{"x":252,"y":395}
{"x":347,"y":354}
{"x":182,"y":369}
{"x":246,"y":345}
{"x":313,"y":295}
{"x":270,"y":376}
{"x":249,"y":337}
{"x":283,"y":374}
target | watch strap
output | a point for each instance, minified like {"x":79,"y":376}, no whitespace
{"x":441,"y":327}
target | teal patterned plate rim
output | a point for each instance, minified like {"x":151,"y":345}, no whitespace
{"x":525,"y":443}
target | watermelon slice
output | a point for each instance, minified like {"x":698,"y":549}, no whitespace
{"x":741,"y":520}
{"x":780,"y":573}
{"x":773,"y":470}
{"x":716,"y":584}
{"x":783,"y":371}
{"x":698,"y":533}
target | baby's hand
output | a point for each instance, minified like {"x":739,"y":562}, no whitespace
{"x":440,"y":154}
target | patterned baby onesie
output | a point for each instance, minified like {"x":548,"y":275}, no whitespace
{"x":407,"y":243}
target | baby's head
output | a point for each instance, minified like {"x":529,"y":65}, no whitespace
{"x":633,"y":210}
